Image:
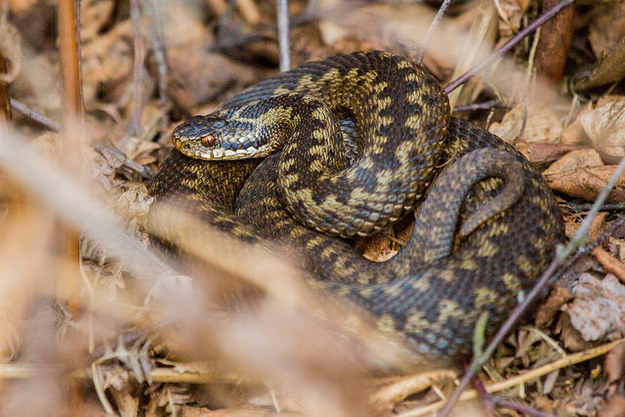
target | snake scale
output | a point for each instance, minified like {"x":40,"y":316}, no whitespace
{"x":486,"y":224}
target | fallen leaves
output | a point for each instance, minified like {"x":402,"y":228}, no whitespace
{"x":604,"y":124}
{"x":598,"y":308}
{"x":615,"y":407}
{"x":582,"y":174}
{"x":534,"y":123}
{"x":614,"y":364}
{"x":580,"y":140}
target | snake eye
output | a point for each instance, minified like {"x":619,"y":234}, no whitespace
{"x":208,"y":140}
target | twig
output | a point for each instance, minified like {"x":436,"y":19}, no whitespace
{"x":509,"y":44}
{"x":486,"y":105}
{"x":68,"y":23}
{"x":183,"y":373}
{"x":157,"y":39}
{"x":34,"y":116}
{"x":134,"y":126}
{"x":6,"y":112}
{"x":70,"y":60}
{"x":588,"y":206}
{"x":145,"y":171}
{"x":426,"y":38}
{"x":283,"y":35}
{"x":482,"y":394}
{"x":521,"y":408}
{"x":576,"y":241}
{"x":522,"y":378}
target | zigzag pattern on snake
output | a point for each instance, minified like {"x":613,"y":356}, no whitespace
{"x":485,"y":229}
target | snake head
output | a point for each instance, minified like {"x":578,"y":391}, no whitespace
{"x":213,"y":137}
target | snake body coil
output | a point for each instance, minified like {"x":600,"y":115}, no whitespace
{"x":487,"y":228}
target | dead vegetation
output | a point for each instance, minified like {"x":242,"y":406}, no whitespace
{"x":96,"y":323}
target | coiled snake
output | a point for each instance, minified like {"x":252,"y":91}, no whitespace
{"x":486,"y":230}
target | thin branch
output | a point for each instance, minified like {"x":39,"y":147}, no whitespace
{"x":486,"y":105}
{"x":521,"y":408}
{"x":522,"y":378}
{"x":68,"y":23}
{"x":426,"y":38}
{"x":482,"y":394}
{"x":70,"y":60}
{"x":31,"y":114}
{"x":145,"y":171}
{"x":508,"y":45}
{"x":6,"y":112}
{"x":283,"y":35}
{"x":588,"y":206}
{"x":157,"y":38}
{"x":134,"y":127}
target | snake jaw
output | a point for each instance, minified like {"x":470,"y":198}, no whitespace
{"x":213,"y":137}
{"x":210,"y":148}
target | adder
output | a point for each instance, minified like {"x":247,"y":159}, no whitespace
{"x":486,"y":222}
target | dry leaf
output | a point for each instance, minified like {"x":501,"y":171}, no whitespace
{"x":20,"y":6}
{"x":140,"y":150}
{"x":547,"y":310}
{"x":609,"y":69}
{"x":94,"y":15}
{"x":614,"y":408}
{"x":597,"y":225}
{"x":541,"y":153}
{"x":511,"y":14}
{"x":574,"y":134}
{"x":570,"y":337}
{"x":582,"y":174}
{"x":185,"y":24}
{"x":607,"y":27}
{"x":614,"y":363}
{"x":38,"y":84}
{"x":392,"y":23}
{"x":196,"y":77}
{"x":127,"y":403}
{"x":544,"y":404}
{"x":610,"y":263}
{"x":574,"y":160}
{"x":598,"y":308}
{"x":107,"y":64}
{"x":135,"y":201}
{"x":605,"y":125}
{"x":587,"y":183}
{"x":554,"y":41}
{"x":617,"y":247}
{"x":10,"y":45}
{"x":536,"y":124}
